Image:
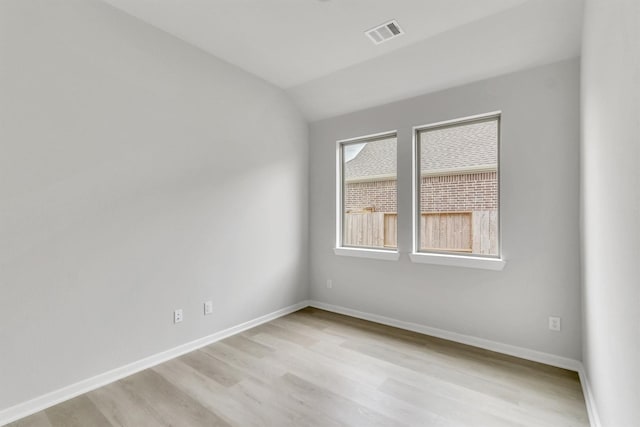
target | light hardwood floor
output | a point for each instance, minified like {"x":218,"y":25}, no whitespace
{"x":315,"y":368}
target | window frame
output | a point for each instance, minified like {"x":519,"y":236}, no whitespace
{"x":491,"y":262}
{"x":358,"y":251}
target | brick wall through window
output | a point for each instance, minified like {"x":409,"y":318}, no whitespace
{"x":448,"y":193}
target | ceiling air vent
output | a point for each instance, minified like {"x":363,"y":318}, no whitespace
{"x":384,"y":32}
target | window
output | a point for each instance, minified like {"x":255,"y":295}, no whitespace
{"x":367,"y":193}
{"x":457,"y":202}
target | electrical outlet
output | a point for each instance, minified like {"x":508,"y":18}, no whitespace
{"x":208,"y":307}
{"x":554,"y":323}
{"x":177,"y":316}
{"x":329,"y":283}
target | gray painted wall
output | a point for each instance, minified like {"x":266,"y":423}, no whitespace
{"x":540,"y":206}
{"x":611,"y":208}
{"x":136,"y":176}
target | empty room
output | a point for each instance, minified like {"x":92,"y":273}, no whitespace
{"x":320,"y":213}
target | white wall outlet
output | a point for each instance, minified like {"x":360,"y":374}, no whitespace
{"x":208,"y":307}
{"x":329,"y":283}
{"x":554,"y":323}
{"x":177,"y":316}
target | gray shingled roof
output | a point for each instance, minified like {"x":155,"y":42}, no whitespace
{"x":473,"y":144}
{"x":375,"y":158}
{"x":458,"y":147}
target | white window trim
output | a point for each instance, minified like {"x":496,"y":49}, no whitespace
{"x":367,"y":253}
{"x":482,"y":262}
{"x":380,"y":254}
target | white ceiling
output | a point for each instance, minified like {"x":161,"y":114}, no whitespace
{"x":317,"y":51}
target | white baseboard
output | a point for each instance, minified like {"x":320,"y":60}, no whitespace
{"x":589,"y":398}
{"x":47,"y":400}
{"x":521,"y":352}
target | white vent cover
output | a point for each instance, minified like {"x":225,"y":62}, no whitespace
{"x":384,"y":32}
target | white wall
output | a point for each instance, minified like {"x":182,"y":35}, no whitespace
{"x":540,"y":206}
{"x":137,"y":175}
{"x":611,"y":208}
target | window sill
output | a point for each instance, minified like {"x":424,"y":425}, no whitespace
{"x":495,"y":264}
{"x":368,"y":253}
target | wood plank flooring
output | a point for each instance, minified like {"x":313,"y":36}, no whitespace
{"x":315,"y":368}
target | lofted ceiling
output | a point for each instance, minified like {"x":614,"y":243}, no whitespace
{"x":316,"y":50}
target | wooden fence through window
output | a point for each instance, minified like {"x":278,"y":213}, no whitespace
{"x":371,"y":229}
{"x":446,"y":231}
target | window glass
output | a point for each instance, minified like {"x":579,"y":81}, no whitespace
{"x":458,"y":185}
{"x":369,"y":193}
